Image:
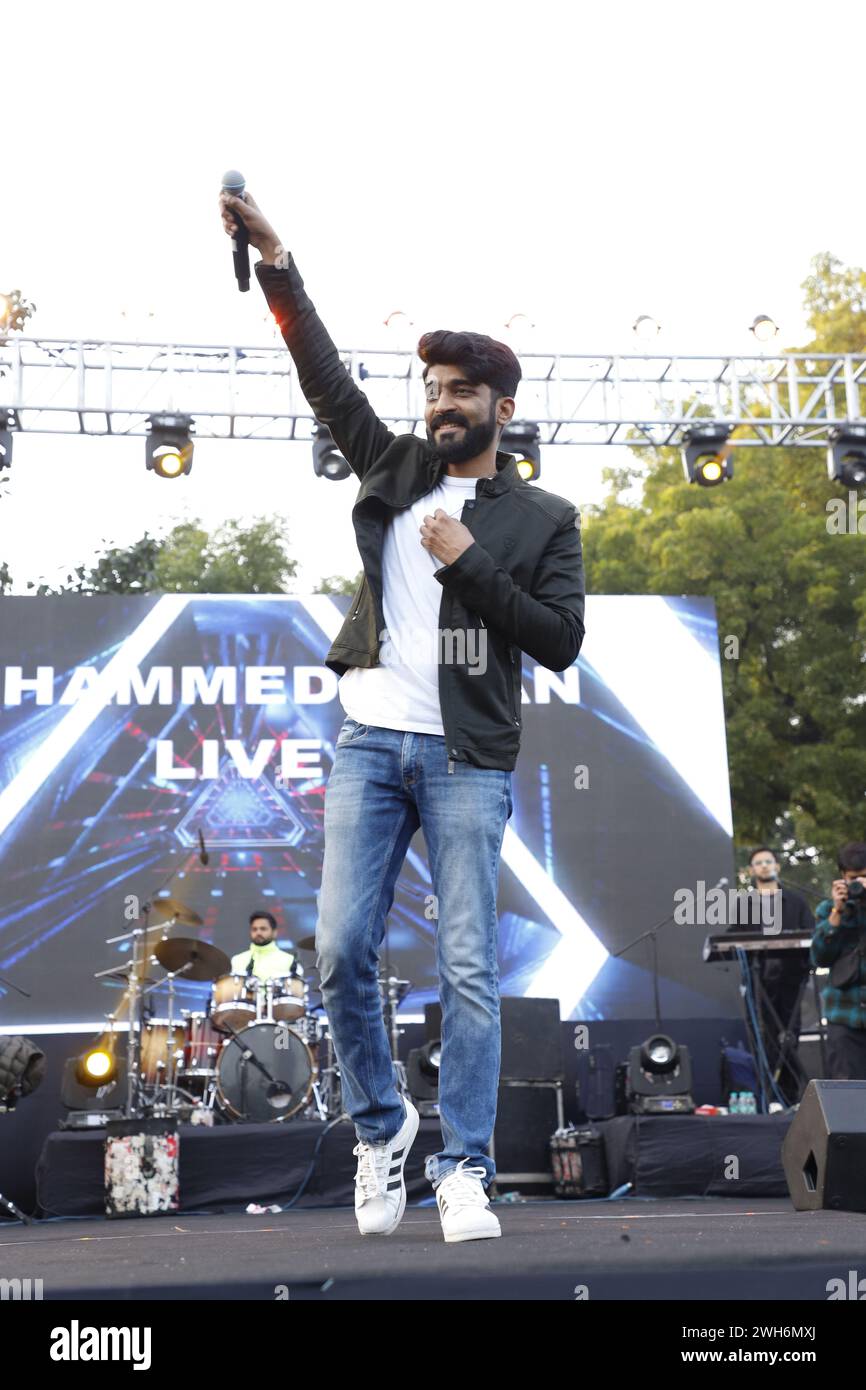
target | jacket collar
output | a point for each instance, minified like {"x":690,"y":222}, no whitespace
{"x":506,"y":475}
{"x":399,"y":486}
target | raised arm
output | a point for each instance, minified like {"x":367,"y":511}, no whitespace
{"x":334,"y":398}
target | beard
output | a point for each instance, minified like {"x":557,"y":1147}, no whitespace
{"x":473,"y":440}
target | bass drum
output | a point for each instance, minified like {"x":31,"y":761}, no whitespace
{"x":242,"y":1090}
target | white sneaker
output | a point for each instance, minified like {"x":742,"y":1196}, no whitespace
{"x":380,"y":1191}
{"x":464,"y":1207}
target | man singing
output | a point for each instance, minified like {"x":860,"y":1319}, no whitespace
{"x":465,"y":567}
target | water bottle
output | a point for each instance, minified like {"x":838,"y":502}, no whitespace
{"x":734,"y":1108}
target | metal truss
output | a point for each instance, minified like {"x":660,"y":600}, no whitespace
{"x":99,"y":388}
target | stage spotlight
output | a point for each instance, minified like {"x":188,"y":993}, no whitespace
{"x":657,"y":1078}
{"x":846,"y":456}
{"x":764,"y":328}
{"x":706,"y":460}
{"x":328,"y":462}
{"x":98,"y":1065}
{"x":522,"y":440}
{"x":169,"y":444}
{"x":422,"y":1076}
{"x":646,"y":328}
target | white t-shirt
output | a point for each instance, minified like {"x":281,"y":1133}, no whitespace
{"x":402,"y":692}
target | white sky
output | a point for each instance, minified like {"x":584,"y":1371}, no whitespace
{"x":579,"y":163}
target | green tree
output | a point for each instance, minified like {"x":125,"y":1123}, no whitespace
{"x":234,"y":559}
{"x":789,"y":592}
{"x":338,"y":584}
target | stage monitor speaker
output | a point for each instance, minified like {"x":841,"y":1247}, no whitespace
{"x":824,"y":1151}
{"x":531,"y":1038}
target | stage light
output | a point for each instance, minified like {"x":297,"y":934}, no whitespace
{"x":657,"y":1079}
{"x":328,"y":462}
{"x":169,"y":444}
{"x":522,"y":440}
{"x":846,"y":456}
{"x":646,"y":328}
{"x":422,"y":1076}
{"x":98,"y":1065}
{"x":659,"y":1053}
{"x":430,"y":1059}
{"x":706,"y":458}
{"x":764,"y":328}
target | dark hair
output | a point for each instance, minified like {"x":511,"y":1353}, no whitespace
{"x":483,"y":360}
{"x":852,"y":856}
{"x":763,"y":849}
{"x":269,"y":916}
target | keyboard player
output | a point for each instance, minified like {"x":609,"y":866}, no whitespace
{"x":782,"y":973}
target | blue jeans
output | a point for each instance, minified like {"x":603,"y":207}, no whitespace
{"x":383,"y":786}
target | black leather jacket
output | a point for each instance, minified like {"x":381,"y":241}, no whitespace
{"x":522,"y":579}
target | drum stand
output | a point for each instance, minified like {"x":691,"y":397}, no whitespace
{"x":170,"y":1100}
{"x":393,"y":992}
{"x":329,"y":1101}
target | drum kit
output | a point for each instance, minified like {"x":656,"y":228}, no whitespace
{"x":259,"y":1052}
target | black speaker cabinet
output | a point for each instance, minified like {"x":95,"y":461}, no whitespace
{"x":528,"y":1113}
{"x":531,"y":1038}
{"x":824,"y":1151}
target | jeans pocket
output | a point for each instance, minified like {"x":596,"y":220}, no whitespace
{"x":350,"y":732}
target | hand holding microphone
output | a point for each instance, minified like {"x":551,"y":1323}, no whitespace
{"x":247,"y":226}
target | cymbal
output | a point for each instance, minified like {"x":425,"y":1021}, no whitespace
{"x":165,"y":909}
{"x":308,"y":944}
{"x":123,"y":977}
{"x":206,"y":962}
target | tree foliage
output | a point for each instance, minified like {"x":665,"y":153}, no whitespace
{"x":788,"y":588}
{"x":234,"y":559}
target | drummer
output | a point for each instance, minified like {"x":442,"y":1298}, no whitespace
{"x":264,"y":957}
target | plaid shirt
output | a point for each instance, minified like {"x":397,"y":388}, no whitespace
{"x":846,"y":1006}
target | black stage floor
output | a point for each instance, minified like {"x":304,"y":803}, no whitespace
{"x":689,"y":1249}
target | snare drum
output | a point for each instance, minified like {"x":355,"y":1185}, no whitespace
{"x":156,"y":1050}
{"x":234,"y":1001}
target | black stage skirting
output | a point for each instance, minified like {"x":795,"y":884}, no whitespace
{"x":231,"y":1165}
{"x":228,"y":1165}
{"x":697,"y":1155}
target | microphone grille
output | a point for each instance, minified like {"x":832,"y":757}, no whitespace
{"x":234,"y":182}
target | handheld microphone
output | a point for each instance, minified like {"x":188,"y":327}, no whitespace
{"x":202,"y":854}
{"x":235,"y":183}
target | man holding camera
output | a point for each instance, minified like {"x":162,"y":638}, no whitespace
{"x":840,"y":942}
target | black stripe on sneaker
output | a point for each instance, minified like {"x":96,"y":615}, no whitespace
{"x":398,"y":1153}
